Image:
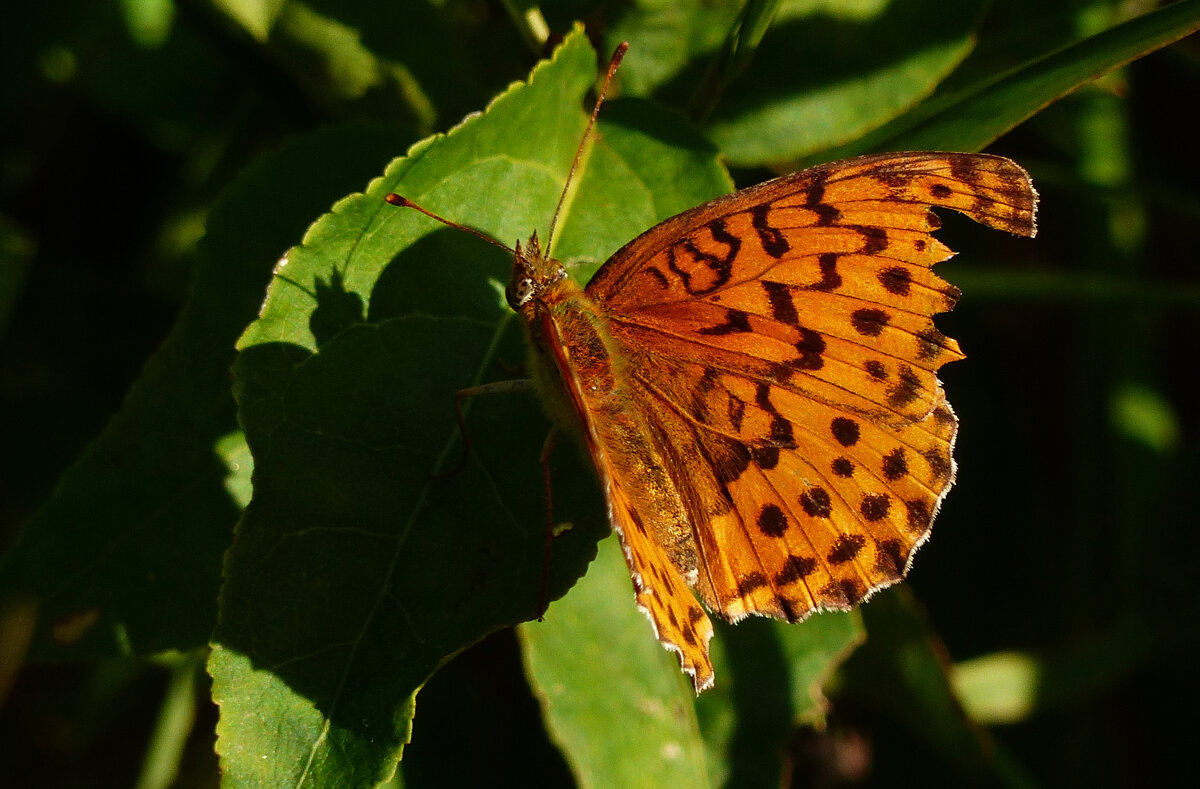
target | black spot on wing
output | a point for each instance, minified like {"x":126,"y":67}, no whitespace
{"x":750,"y":583}
{"x":896,"y":280}
{"x":791,"y":610}
{"x":737,"y":412}
{"x":700,"y":395}
{"x":795,"y":568}
{"x":869,"y":322}
{"x":845,"y":431}
{"x":875,"y":239}
{"x":729,"y":460}
{"x":895,"y":464}
{"x":875,"y":369}
{"x":939,"y":464}
{"x":772,"y":521}
{"x":765,"y":456}
{"x":875,"y":506}
{"x":890,"y":559}
{"x":816,"y":502}
{"x":657,"y":276}
{"x":721,"y":265}
{"x":846,"y":547}
{"x":907,"y":390}
{"x":830,"y":278}
{"x":810,"y":345}
{"x":814,"y":201}
{"x":931,"y":343}
{"x":919,"y":514}
{"x":689,"y":635}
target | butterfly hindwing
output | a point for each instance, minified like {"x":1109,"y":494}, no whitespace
{"x":813,"y":509}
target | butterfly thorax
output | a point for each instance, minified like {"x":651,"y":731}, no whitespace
{"x":567,"y":337}
{"x":583,"y":374}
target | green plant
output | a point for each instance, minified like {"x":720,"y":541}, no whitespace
{"x":352,"y":575}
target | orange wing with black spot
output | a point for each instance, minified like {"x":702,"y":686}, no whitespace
{"x":777,"y":438}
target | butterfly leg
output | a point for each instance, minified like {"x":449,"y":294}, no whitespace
{"x":496,"y":387}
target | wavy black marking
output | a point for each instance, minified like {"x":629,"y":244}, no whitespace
{"x":774,"y":243}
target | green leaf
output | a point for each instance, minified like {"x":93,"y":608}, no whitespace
{"x":998,"y":688}
{"x":171,"y":83}
{"x":825,"y":74}
{"x":133,"y":536}
{"x":613,"y":699}
{"x":812,"y":651}
{"x":667,"y":37}
{"x":354,"y":573}
{"x":974,"y":116}
{"x":450,"y":59}
{"x":744,"y":37}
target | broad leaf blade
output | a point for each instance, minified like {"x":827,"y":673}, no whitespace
{"x":826,"y":77}
{"x":354,"y":573}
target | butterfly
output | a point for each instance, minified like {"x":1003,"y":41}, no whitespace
{"x":755,"y":382}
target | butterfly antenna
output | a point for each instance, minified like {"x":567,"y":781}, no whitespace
{"x":404,"y":202}
{"x":612,"y":69}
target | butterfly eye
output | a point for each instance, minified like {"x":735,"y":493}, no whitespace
{"x":518,"y":292}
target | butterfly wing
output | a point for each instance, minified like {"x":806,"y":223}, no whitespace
{"x":782,"y":359}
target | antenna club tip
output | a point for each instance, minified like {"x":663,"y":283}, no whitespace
{"x":399,"y":200}
{"x":619,"y":52}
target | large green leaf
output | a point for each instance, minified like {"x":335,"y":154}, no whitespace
{"x":827,"y":73}
{"x":354,"y":572}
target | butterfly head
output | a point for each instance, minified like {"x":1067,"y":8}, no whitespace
{"x":533,"y":272}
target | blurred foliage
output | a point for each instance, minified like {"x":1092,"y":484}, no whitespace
{"x":158,"y":158}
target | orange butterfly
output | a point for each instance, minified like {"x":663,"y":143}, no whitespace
{"x":755,"y":382}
